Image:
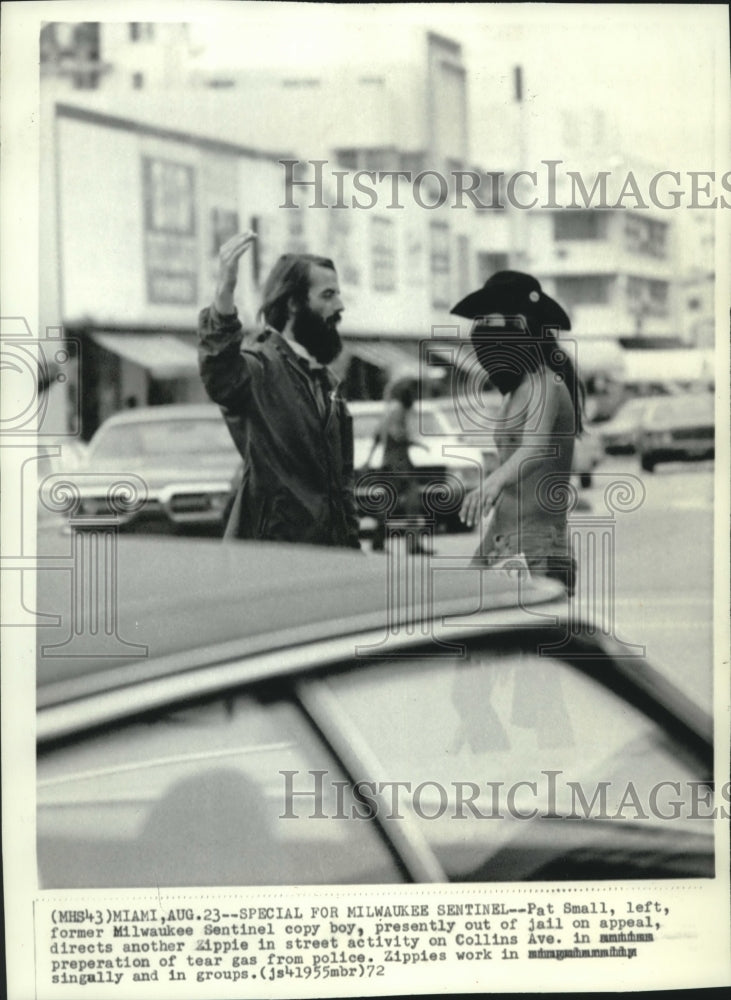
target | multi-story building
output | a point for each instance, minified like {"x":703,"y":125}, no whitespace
{"x":114,"y":55}
{"x":140,"y":188}
{"x":142,"y":181}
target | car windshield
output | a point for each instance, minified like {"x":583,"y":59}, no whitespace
{"x":681,"y":408}
{"x":163,"y":437}
{"x":365,"y":425}
{"x":630,"y":410}
{"x":513,"y":737}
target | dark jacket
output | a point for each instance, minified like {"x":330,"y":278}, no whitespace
{"x":297,"y":476}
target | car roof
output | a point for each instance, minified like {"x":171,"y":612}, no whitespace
{"x":695,"y":402}
{"x":238,"y":598}
{"x":166,"y":411}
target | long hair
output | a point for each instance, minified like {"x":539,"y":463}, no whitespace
{"x":288,"y":279}
{"x":541,"y":348}
{"x":558,"y":359}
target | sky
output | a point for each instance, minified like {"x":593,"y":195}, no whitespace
{"x":654,"y":68}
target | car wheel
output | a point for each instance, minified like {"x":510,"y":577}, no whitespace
{"x":648,"y":463}
{"x":585,"y":478}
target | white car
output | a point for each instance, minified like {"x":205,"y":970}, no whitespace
{"x":449,"y":463}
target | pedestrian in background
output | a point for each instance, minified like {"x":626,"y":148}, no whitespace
{"x":528,"y":495}
{"x":281,"y":402}
{"x":394,"y":433}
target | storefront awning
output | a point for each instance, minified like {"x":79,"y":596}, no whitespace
{"x":396,"y":360}
{"x":400,"y":360}
{"x":161,"y":354}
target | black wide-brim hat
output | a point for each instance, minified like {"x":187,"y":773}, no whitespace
{"x":513,"y":293}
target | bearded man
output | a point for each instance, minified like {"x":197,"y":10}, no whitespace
{"x":281,"y":402}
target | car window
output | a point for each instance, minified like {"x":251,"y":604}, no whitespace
{"x":520,"y":767}
{"x":196,"y":796}
{"x":430,"y":424}
{"x":697,"y":407}
{"x":365,"y":425}
{"x":177,"y":437}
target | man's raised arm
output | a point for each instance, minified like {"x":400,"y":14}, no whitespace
{"x":224,"y":370}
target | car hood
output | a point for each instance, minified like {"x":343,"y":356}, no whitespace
{"x":158,"y":473}
{"x":177,"y":595}
{"x":678,"y":422}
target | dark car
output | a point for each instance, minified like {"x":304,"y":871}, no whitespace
{"x":165,"y":469}
{"x":273,"y":715}
{"x":446,"y":464}
{"x":619,"y":435}
{"x":677,"y":428}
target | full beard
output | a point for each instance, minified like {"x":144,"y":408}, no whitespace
{"x":318,"y":336}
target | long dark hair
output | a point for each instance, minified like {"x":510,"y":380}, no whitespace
{"x":288,"y":279}
{"x":538,"y":346}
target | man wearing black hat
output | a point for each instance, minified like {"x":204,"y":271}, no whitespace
{"x":527,"y":497}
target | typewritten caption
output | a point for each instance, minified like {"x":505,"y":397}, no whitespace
{"x":136,"y":946}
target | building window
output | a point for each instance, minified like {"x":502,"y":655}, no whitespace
{"x":224,"y":225}
{"x":584,"y":290}
{"x":381,"y":158}
{"x":588,"y":225}
{"x":138,"y":31}
{"x":647,"y":297}
{"x":301,"y":83}
{"x":340,"y":246}
{"x":347,"y":158}
{"x":489,"y":264}
{"x":645,"y":236}
{"x":383,"y":255}
{"x":296,"y":231}
{"x":138,"y":80}
{"x":414,"y":162}
{"x":71,"y":50}
{"x":440,"y":265}
{"x":169,"y":196}
{"x":464,"y":270}
{"x":171,"y":259}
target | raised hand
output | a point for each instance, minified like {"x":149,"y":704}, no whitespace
{"x":229,"y":256}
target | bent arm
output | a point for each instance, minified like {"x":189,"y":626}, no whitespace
{"x":224,"y":369}
{"x":350,"y":507}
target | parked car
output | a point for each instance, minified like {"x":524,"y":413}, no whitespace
{"x":445,"y":468}
{"x":588,"y":454}
{"x":619,"y":435}
{"x":278,"y":715}
{"x":58,"y":460}
{"x":677,"y":428}
{"x":179,"y":461}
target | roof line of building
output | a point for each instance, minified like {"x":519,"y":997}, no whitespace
{"x":160,"y":132}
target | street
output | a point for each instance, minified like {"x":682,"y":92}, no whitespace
{"x":663,"y":564}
